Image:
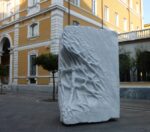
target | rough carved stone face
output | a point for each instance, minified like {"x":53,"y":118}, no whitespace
{"x":88,"y":75}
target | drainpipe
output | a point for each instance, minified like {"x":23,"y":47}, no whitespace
{"x":102,"y":14}
{"x":69,"y":12}
{"x":129,"y":15}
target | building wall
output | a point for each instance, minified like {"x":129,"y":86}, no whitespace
{"x":44,"y":30}
{"x":52,"y":17}
{"x":23,"y":66}
{"x":115,"y":6}
{"x":121,"y":7}
{"x":82,"y":22}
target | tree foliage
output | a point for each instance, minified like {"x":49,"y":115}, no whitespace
{"x":140,"y":64}
{"x":125,"y":62}
{"x":49,"y":62}
{"x":124,"y":66}
{"x":143,"y":65}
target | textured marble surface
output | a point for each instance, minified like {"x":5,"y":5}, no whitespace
{"x":88,"y":75}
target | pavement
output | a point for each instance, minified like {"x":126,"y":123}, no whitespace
{"x":30,"y":112}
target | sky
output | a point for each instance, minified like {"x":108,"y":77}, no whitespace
{"x":146,"y":4}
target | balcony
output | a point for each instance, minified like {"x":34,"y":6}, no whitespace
{"x":135,"y":35}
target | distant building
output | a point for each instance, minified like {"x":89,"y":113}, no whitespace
{"x":147,"y":26}
{"x":29,"y":28}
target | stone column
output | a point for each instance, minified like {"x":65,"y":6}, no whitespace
{"x":15,"y":55}
{"x":10,"y":67}
{"x":56,"y":25}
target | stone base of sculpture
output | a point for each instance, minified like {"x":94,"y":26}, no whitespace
{"x":88,"y":75}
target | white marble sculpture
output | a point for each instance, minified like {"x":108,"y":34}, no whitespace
{"x":88,"y":75}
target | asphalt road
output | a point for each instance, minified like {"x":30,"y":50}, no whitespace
{"x":27,"y":112}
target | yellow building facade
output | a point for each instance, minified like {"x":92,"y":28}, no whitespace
{"x":29,"y":28}
{"x":147,"y":26}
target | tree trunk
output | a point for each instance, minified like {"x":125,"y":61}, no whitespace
{"x":53,"y":73}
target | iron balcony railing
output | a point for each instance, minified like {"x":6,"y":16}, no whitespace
{"x":134,"y":35}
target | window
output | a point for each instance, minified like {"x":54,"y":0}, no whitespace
{"x":76,"y":2}
{"x":132,"y":27}
{"x":125,"y":1}
{"x":131,"y":4}
{"x":33,"y":30}
{"x":32,"y":66}
{"x":33,"y":6}
{"x":94,"y":7}
{"x":106,"y":13}
{"x":137,"y":27}
{"x":137,"y":7}
{"x":76,"y":23}
{"x":125,"y":24}
{"x":116,"y":19}
{"x":32,"y":2}
{"x":32,"y":69}
{"x":8,"y":9}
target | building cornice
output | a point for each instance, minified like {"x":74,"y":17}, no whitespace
{"x":52,"y":7}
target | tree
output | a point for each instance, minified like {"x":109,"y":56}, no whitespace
{"x":124,"y":66}
{"x":143,"y":65}
{"x":49,"y":62}
{"x":133,"y":69}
